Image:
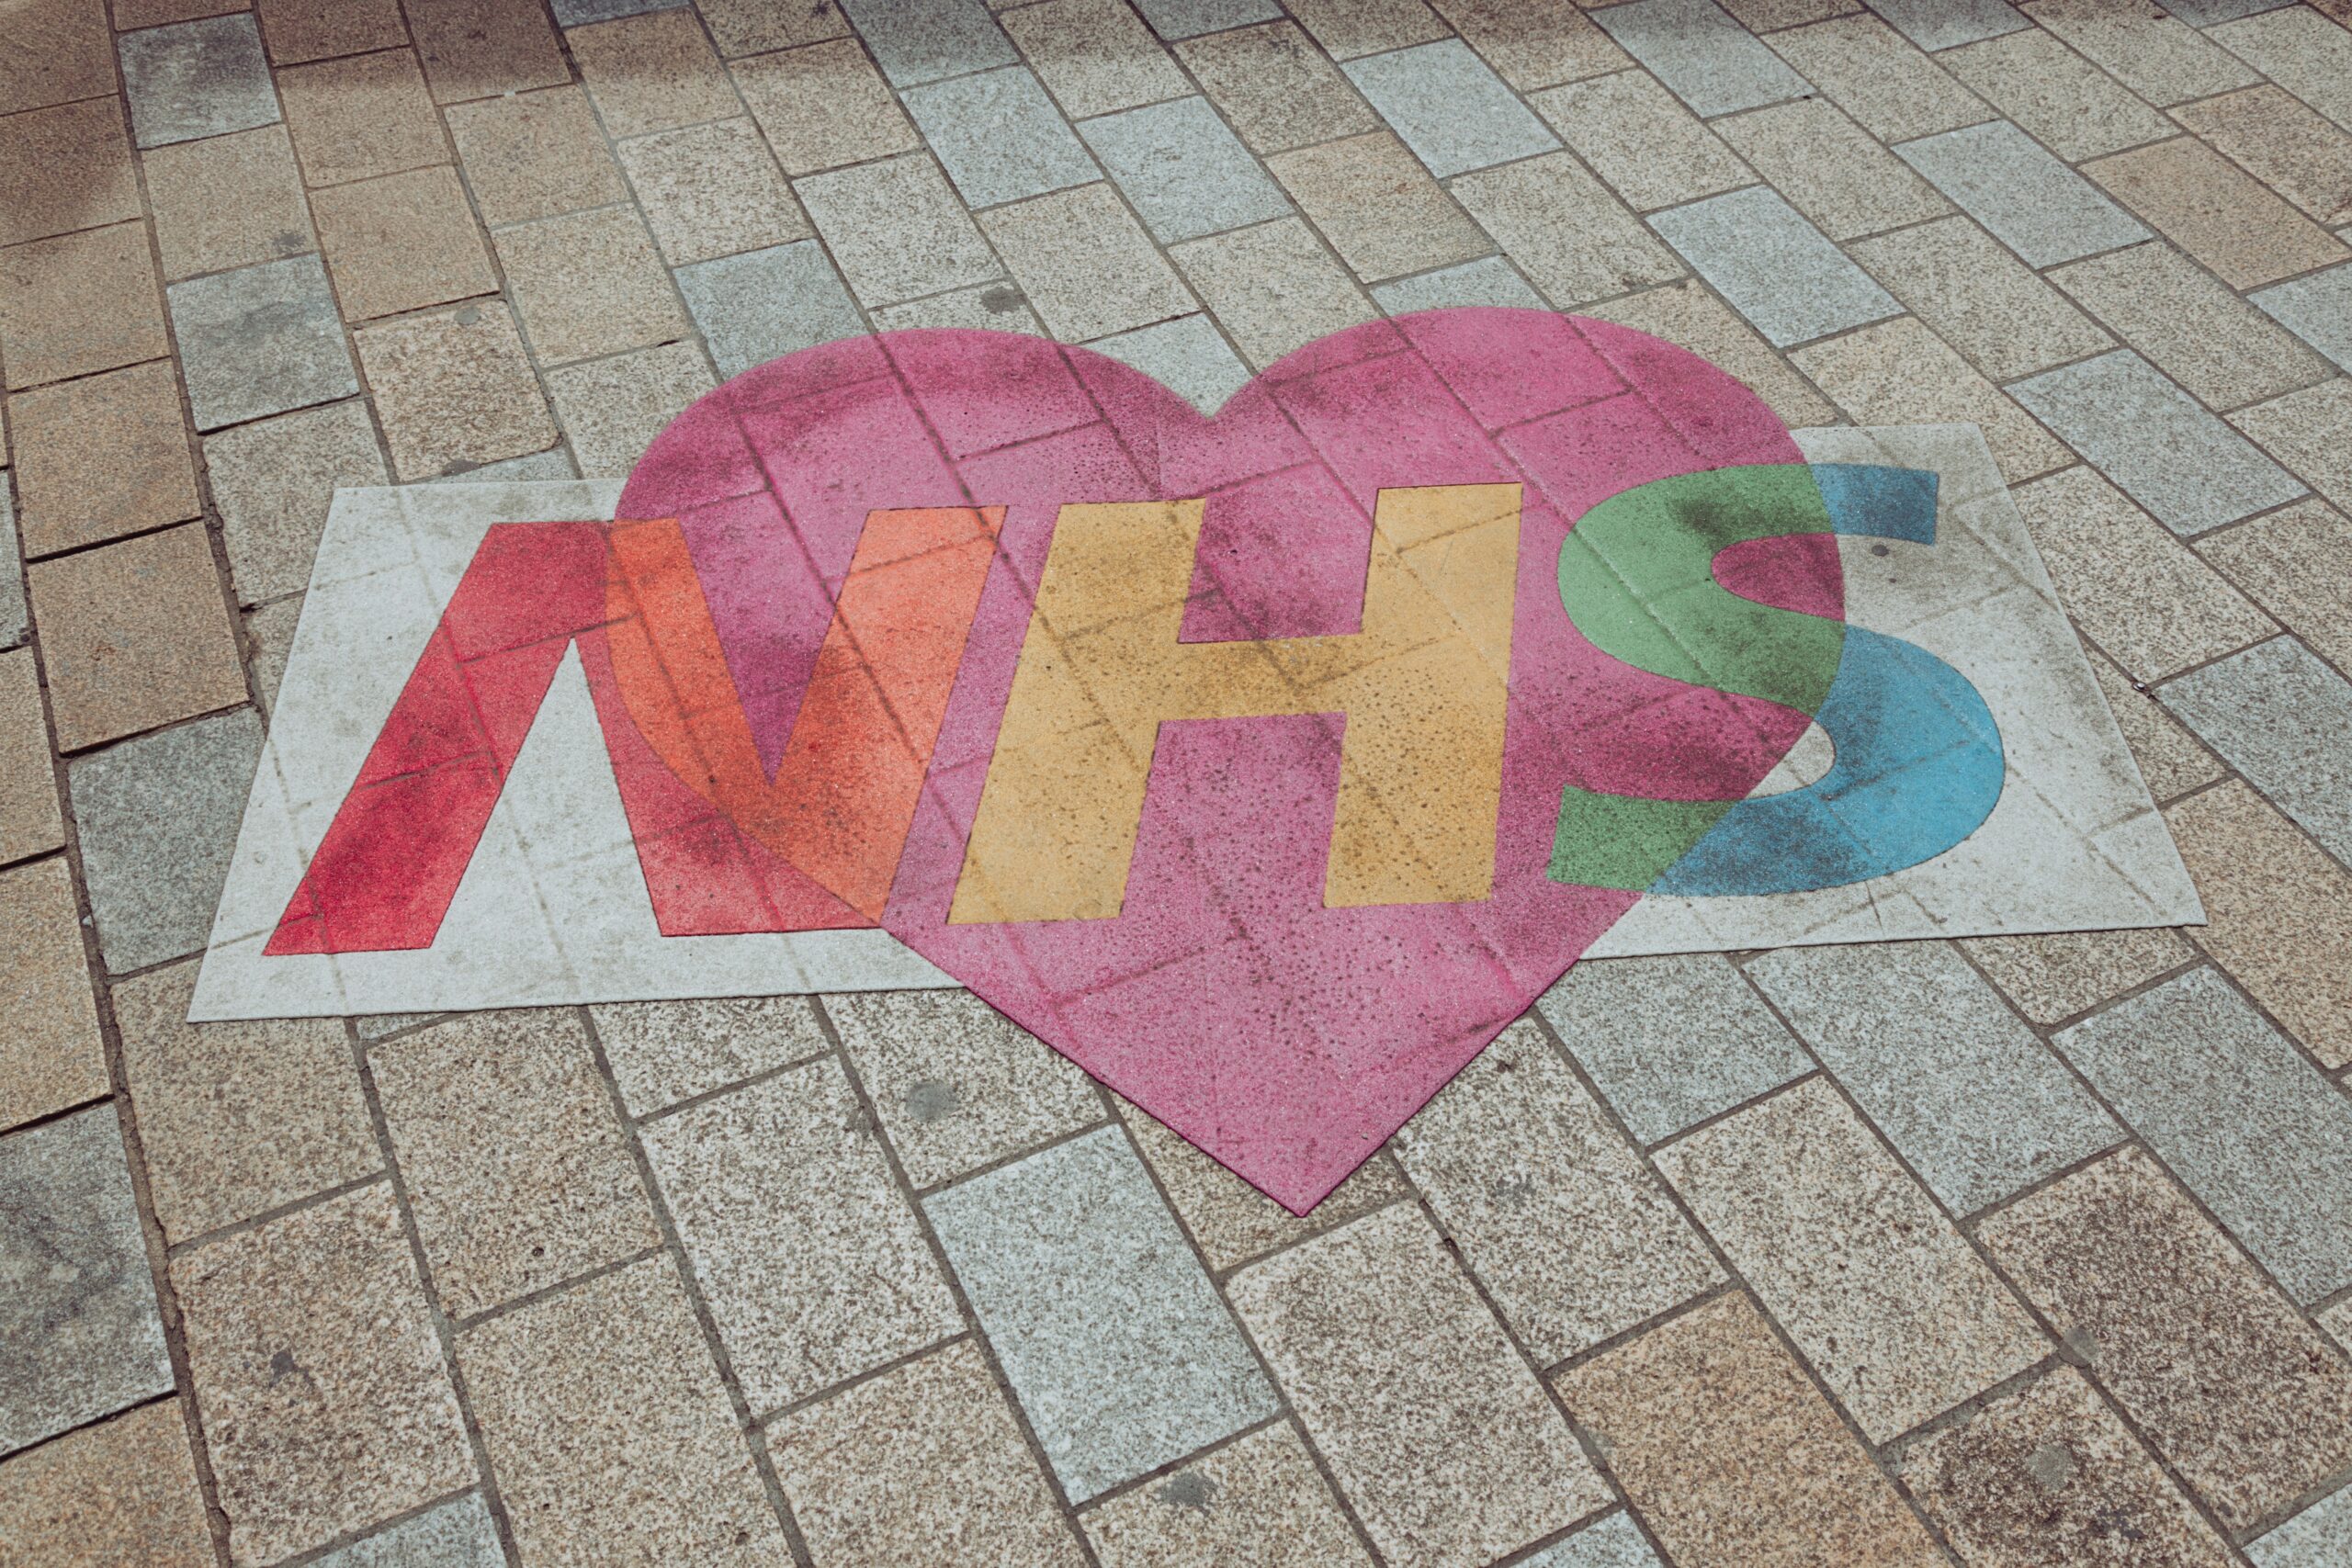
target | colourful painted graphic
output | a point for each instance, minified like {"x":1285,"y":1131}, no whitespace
{"x":1266,"y":763}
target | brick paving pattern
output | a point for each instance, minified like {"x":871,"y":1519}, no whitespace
{"x":2012,"y":1251}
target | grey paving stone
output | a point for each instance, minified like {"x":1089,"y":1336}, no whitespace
{"x":2318,"y":1537}
{"x":2242,"y":1119}
{"x":1709,"y":60}
{"x":1185,"y":172}
{"x":2317,"y":309}
{"x":1489,"y":280}
{"x":158,"y":819}
{"x":197,"y":79}
{"x":80,"y":1337}
{"x":1941,"y":24}
{"x":1108,"y":1330}
{"x":2032,"y":203}
{"x":1775,"y":268}
{"x":760,"y":304}
{"x":2181,"y":463}
{"x":1964,"y":1091}
{"x":455,"y":1534}
{"x":1615,"y":1543}
{"x":998,"y":136}
{"x":1187,"y":355}
{"x":14,"y":620}
{"x":923,"y":40}
{"x":575,"y":13}
{"x":260,"y":340}
{"x":1449,"y":108}
{"x":1671,"y":1041}
{"x":2206,"y":13}
{"x":2280,"y":715}
{"x":1191,"y":19}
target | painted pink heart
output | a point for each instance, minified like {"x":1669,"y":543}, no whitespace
{"x":1285,"y":1039}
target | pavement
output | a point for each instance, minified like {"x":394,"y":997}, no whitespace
{"x":2008,"y":1249}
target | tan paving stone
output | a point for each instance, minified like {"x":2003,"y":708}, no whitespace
{"x":1095,"y":56}
{"x":453,"y":391}
{"x":1433,"y":1424}
{"x":134,"y":635}
{"x":401,"y":242}
{"x":589,"y":284}
{"x":2221,"y":348}
{"x":1257,"y":1502}
{"x":1378,"y":206}
{"x":2056,"y":977}
{"x":1878,"y":1289}
{"x":1272,"y":287}
{"x":897,"y":230}
{"x":2153,"y":53}
{"x":711,"y":190}
{"x":1346,"y":29}
{"x":299,"y":31}
{"x":2216,"y":212}
{"x":2222,"y":1374}
{"x":611,"y":409}
{"x":227,"y":201}
{"x":64,"y":168}
{"x":51,"y":1055}
{"x":2129,"y":582}
{"x":918,"y":1466}
{"x":609,"y":1432}
{"x":1899,"y":372}
{"x":2171,"y":759}
{"x":237,"y":1118}
{"x":1275,"y":88}
{"x":2054,"y":95}
{"x":653,"y":72}
{"x":101,"y":456}
{"x":1085,"y":263}
{"x":1533,"y":44}
{"x":80,"y":303}
{"x":1731,"y":1456}
{"x":2047,"y":1476}
{"x":665,"y":1052}
{"x":515,"y":1169}
{"x":1573,"y":240}
{"x":325,"y":1403}
{"x":1972,"y":292}
{"x":2297,"y":564}
{"x":121,"y":1494}
{"x":2279,"y":913}
{"x":360,"y":117}
{"x":1830,"y":169}
{"x":1686,"y":313}
{"x":2310,"y":432}
{"x":1878,"y":76}
{"x":2276,"y":138}
{"x":753,"y":26}
{"x":54,"y":52}
{"x":273,"y":480}
{"x":1639,"y":138}
{"x":30,"y":822}
{"x":823,"y":106}
{"x":480,"y":49}
{"x":535,"y":155}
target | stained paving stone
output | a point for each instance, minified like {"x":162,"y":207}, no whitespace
{"x":1964,"y":1092}
{"x":101,"y":456}
{"x":1274,"y":287}
{"x":920,"y":1465}
{"x":916,"y":42}
{"x":533,"y":155}
{"x":711,"y":190}
{"x":300,"y":30}
{"x":515,"y":1167}
{"x":2055,"y":977}
{"x":1634,"y":135}
{"x":999,"y":136}
{"x":227,"y":201}
{"x":197,"y":79}
{"x":1977,"y":296}
{"x":1185,"y":172}
{"x":1095,"y":56}
{"x":1188,"y":356}
{"x":1900,"y":372}
{"x":2179,"y":462}
{"x":957,"y":1084}
{"x":64,"y":168}
{"x":2283,"y":718}
{"x":813,"y":1264}
{"x":2058,"y":97}
{"x":1711,"y":61}
{"x":79,"y":303}
{"x":609,"y":1433}
{"x":661,"y":1053}
{"x":30,"y":821}
{"x":2310,"y":432}
{"x":653,"y":72}
{"x":259,"y":341}
{"x":272,"y":481}
{"x":753,"y":26}
{"x":1573,"y":1237}
{"x":401,"y":242}
{"x":57,"y":51}
{"x":1732,"y":1455}
{"x":134,"y":635}
{"x":2297,"y":563}
{"x":611,"y":409}
{"x":453,"y":391}
{"x":2317,"y":309}
{"x":456,"y":1534}
{"x":1487,"y":281}
{"x":1776,"y":269}
{"x":2031,"y":202}
{"x":1830,"y":168}
{"x":2318,"y":1536}
{"x":120,"y":1493}
{"x":2220,"y":349}
{"x":1431,"y":1424}
{"x":2216,"y":212}
{"x":895,"y":230}
{"x":2048,"y":1474}
{"x":51,"y":1055}
{"x":1258,"y":1500}
{"x":326,"y":1406}
{"x":1450,"y":107}
{"x":2217,"y":1368}
{"x":1568,"y":236}
{"x":2274,"y":138}
{"x":588,"y":284}
{"x":365,"y":116}
{"x":2157,"y":56}
{"x":823,"y":106}
{"x":987,"y":307}
{"x":764,"y":304}
{"x":1879,"y":77}
{"x":483,"y":49}
{"x":1274,"y":87}
{"x":2306,"y":54}
{"x":1108,"y":1331}
{"x":1377,"y":207}
{"x":1687,"y":313}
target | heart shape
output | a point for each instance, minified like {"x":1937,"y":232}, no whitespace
{"x":1285,"y":1037}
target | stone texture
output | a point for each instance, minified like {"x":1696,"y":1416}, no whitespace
{"x":2212,"y":343}
{"x":1732,"y":1455}
{"x":2170,"y":759}
{"x":51,"y":1055}
{"x":2284,"y":719}
{"x":1095,"y":56}
{"x":134,"y":635}
{"x":611,"y":409}
{"x":515,"y":1169}
{"x":2297,"y":563}
{"x":535,"y":155}
{"x":2058,"y":97}
{"x":1273,"y":288}
{"x":16,"y":618}
{"x":1188,"y":354}
{"x":79,"y":303}
{"x":1377,"y":208}
{"x":2055,"y":977}
{"x":1773,"y":268}
{"x":326,"y":1402}
{"x":57,"y":51}
{"x":365,"y":116}
{"x":1650,"y":149}
{"x":1687,"y":314}
{"x":661,"y":1053}
{"x":272,"y":481}
{"x":895,"y":230}
{"x":453,"y":391}
{"x":1185,"y":172}
{"x":711,"y":190}
{"x":2217,"y":214}
{"x":119,"y":1495}
{"x":1275,"y":88}
{"x":921,"y":40}
{"x":588,"y":284}
{"x":2318,"y":1536}
{"x":29,"y":823}
{"x":1431,"y":1422}
{"x":1899,"y":372}
{"x":1977,"y":296}
{"x":227,"y":201}
{"x":2305,"y":52}
{"x":483,"y":49}
{"x":1258,"y":1501}
{"x":1487,"y":281}
{"x":999,"y":136}
{"x":651,"y":72}
{"x":64,"y":168}
{"x":101,"y":456}
{"x":1710,"y":62}
{"x":1086,"y":263}
{"x":1879,"y":77}
{"x":1831,"y":169}
{"x":823,"y":106}
{"x":299,"y":31}
{"x":813,"y":1265}
{"x":196,"y":79}
{"x":259,"y":341}
{"x":2273,"y":137}
{"x":987,"y":307}
{"x":456,"y":1534}
{"x":1346,"y":29}
{"x":610,"y":1433}
{"x":2236,"y":1390}
{"x":2310,"y":432}
{"x":2157,"y":56}
{"x":2318,"y":310}
{"x":764,"y":304}
{"x":401,"y":242}
{"x":1450,"y":107}
{"x":1572,"y":239}
{"x":918,"y":1466}
{"x":2032,"y":203}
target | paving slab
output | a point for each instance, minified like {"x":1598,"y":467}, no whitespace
{"x":260,"y":340}
{"x":2317,"y":309}
{"x":2031,"y":201}
{"x":197,"y":79}
{"x":1450,"y":107}
{"x":456,"y":1534}
{"x":1712,"y":62}
{"x":1185,"y":172}
{"x":916,"y":42}
{"x":2280,"y":715}
{"x":122,"y":1491}
{"x":1259,"y":1494}
{"x":999,"y":136}
{"x":1774,"y":267}
{"x":754,"y":307}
